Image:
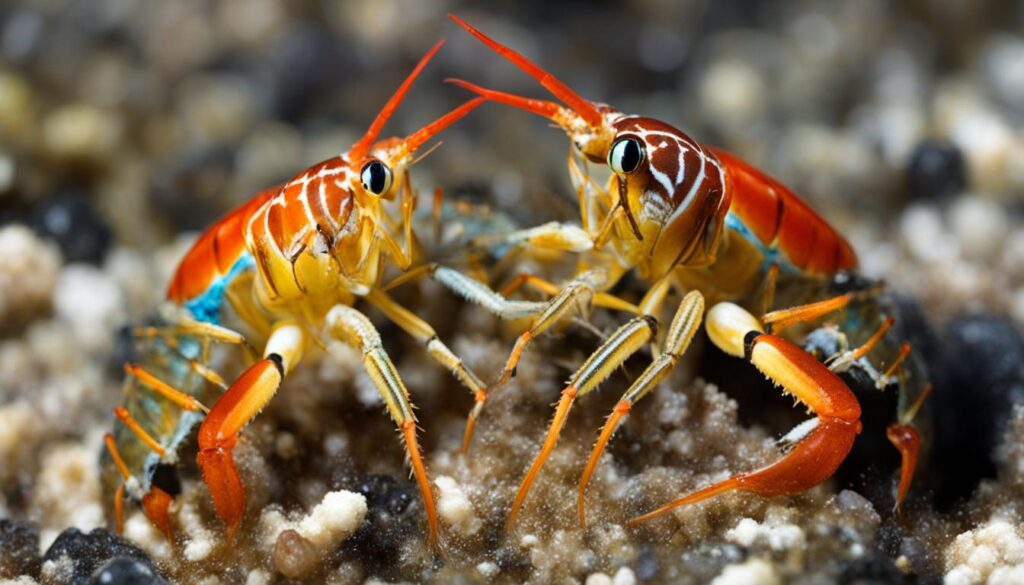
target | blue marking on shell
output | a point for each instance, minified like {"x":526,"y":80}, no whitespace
{"x":206,"y":307}
{"x":771,"y":254}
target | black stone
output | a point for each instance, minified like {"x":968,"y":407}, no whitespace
{"x":89,"y":551}
{"x":300,"y":68}
{"x":872,"y":569}
{"x":986,"y":369}
{"x":19,"y":550}
{"x":936,"y":170}
{"x":69,"y":219}
{"x":126,"y":571}
{"x":188,"y":193}
{"x":646,"y":567}
{"x":394,"y":515}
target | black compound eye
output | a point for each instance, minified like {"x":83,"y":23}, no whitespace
{"x":625,"y":155}
{"x":376,"y":177}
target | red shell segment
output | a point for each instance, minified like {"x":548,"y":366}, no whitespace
{"x":778,"y":217}
{"x":215,"y":252}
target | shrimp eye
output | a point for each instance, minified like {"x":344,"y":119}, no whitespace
{"x":625,"y":155}
{"x":376,"y":177}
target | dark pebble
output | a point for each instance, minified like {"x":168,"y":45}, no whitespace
{"x":513,"y":561}
{"x":394,"y":515}
{"x":646,"y":566}
{"x":126,"y":571}
{"x":971,"y":416}
{"x":89,"y":551}
{"x":189,"y":193}
{"x":873,"y":569}
{"x":19,"y":550}
{"x":297,"y":64}
{"x":936,"y":170}
{"x":71,"y":221}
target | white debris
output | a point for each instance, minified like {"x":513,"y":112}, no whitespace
{"x":598,"y":579}
{"x":68,"y":490}
{"x":455,"y":508}
{"x":529,"y":541}
{"x":258,"y":577}
{"x":92,"y":303}
{"x":139,"y":530}
{"x":777,"y":536}
{"x":28,"y":272}
{"x":333,"y":520}
{"x":200,"y":541}
{"x":926,"y":236}
{"x":59,"y":570}
{"x":488,"y":569}
{"x":200,"y":546}
{"x":752,"y":572}
{"x":994,"y":550}
{"x":624,"y":576}
{"x":18,"y":427}
{"x":980,"y":225}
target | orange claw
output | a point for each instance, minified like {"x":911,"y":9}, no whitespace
{"x":908,"y":442}
{"x":156,"y":504}
{"x":219,"y":434}
{"x":816,"y":456}
{"x":226,"y":489}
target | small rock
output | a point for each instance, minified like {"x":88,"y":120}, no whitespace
{"x":646,"y":566}
{"x":28,"y":273}
{"x":394,"y":515}
{"x":987,"y":377}
{"x":88,"y":299}
{"x":19,"y":550}
{"x":980,"y":225}
{"x":69,"y":219}
{"x":753,"y":572}
{"x":75,"y":556}
{"x":81,"y":133}
{"x":936,"y":170}
{"x":126,"y":571}
{"x":294,"y":556}
{"x":870,"y":569}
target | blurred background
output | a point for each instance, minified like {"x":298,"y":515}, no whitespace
{"x":144,"y":119}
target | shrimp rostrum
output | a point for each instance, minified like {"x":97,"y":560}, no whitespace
{"x":703,"y":223}
{"x":290,"y":264}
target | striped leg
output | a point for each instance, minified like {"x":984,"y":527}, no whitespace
{"x":352,"y":327}
{"x":422,"y":331}
{"x":575,"y":296}
{"x":623,"y":343}
{"x":680,"y":334}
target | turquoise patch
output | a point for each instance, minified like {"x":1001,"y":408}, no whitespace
{"x":206,"y":307}
{"x":771,"y":254}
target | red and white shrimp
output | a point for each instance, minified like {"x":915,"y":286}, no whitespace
{"x":290,"y":264}
{"x":702,"y":222}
